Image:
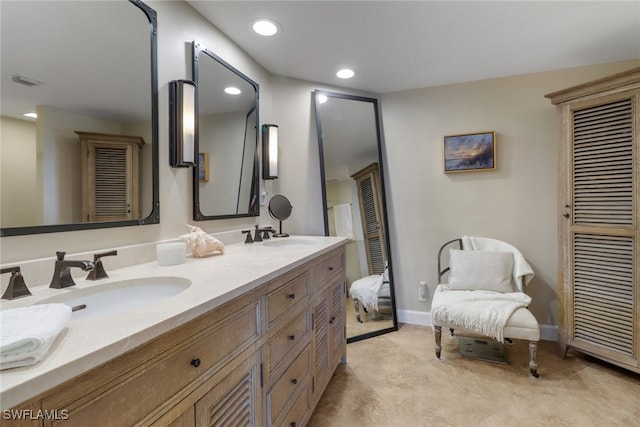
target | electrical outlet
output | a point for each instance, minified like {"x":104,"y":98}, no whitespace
{"x":423,"y":292}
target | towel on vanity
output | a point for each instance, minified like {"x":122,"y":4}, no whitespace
{"x":26,"y":333}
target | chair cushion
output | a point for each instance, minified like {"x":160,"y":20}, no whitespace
{"x":476,"y":270}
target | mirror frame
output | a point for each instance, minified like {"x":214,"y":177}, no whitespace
{"x":196,"y":50}
{"x":154,"y":216}
{"x":374,"y":102}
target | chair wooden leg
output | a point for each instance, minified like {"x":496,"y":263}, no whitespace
{"x":357,"y":305}
{"x":438,"y":336}
{"x":533,"y":353}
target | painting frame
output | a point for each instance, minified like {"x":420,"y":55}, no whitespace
{"x":470,"y":152}
{"x":203,"y":166}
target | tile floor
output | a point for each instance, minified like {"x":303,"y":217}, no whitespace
{"x":396,"y":380}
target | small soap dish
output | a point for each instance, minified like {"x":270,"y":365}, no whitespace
{"x":170,"y":253}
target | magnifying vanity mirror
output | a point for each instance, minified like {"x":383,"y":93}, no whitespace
{"x":93,"y":86}
{"x":280,"y":209}
{"x":226,"y":182}
{"x":354,"y":206}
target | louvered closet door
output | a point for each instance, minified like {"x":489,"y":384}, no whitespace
{"x":602,"y":227}
{"x":372,"y":223}
{"x":110,"y":193}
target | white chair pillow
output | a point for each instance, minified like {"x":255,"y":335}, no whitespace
{"x":475,"y":270}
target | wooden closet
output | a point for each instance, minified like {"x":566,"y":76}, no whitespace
{"x":599,"y":181}
{"x":371,"y":214}
{"x":110,"y":176}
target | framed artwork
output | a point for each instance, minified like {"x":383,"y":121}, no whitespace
{"x":203,"y":166}
{"x":470,"y":152}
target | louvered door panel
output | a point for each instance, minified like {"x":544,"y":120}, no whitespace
{"x":602,"y":230}
{"x":235,"y":401}
{"x":112,"y":190}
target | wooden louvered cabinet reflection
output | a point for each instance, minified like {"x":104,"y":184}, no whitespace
{"x":110,"y":176}
{"x":370,"y":200}
{"x":599,"y":175}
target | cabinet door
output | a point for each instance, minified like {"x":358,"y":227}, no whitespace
{"x":329,"y":334}
{"x":236,"y":400}
{"x":600,"y":226}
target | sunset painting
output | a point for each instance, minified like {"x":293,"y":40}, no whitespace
{"x":470,"y":152}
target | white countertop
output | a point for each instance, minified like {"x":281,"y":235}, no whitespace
{"x":87,"y":343}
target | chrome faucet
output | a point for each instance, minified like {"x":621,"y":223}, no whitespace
{"x":62,"y":271}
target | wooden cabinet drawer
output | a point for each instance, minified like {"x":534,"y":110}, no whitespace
{"x":292,"y":380}
{"x":146,"y":387}
{"x":298,"y":413}
{"x":286,"y":297}
{"x":285,"y":341}
{"x":327,"y":268}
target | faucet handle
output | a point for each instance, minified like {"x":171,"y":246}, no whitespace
{"x":60,"y":255}
{"x":17,"y":288}
{"x":98,"y":271}
{"x":265,"y":232}
{"x":258,"y":235}
{"x":248,"y":233}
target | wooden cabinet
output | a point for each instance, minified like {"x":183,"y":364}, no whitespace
{"x":110,"y":176}
{"x":599,"y":186}
{"x":371,"y":213}
{"x":250,"y":362}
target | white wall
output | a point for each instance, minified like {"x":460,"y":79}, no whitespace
{"x":516,"y":203}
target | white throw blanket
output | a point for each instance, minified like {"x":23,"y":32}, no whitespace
{"x":521,"y":268}
{"x":367,"y":289}
{"x":485,"y":312}
{"x":26,"y":333}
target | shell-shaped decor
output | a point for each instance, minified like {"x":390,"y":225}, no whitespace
{"x":201,"y":243}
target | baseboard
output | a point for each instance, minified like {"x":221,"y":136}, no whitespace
{"x":423,"y":318}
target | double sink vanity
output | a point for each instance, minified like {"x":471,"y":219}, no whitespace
{"x":251,"y":337}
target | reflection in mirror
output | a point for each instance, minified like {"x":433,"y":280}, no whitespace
{"x":225,"y":184}
{"x":81,"y":76}
{"x":354,"y":207}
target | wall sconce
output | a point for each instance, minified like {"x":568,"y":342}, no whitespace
{"x":269,"y":151}
{"x":182,"y":123}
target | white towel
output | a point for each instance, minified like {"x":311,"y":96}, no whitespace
{"x":367,"y":289}
{"x":521,"y":267}
{"x":485,"y":312}
{"x":343,"y":219}
{"x":26,"y":333}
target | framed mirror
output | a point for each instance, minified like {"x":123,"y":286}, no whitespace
{"x":354,"y":204}
{"x":81,"y":76}
{"x":226,"y":181}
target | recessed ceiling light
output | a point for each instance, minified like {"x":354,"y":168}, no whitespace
{"x":322,"y":99}
{"x":265,"y":27}
{"x":345,"y":73}
{"x":232,"y":90}
{"x":31,"y":115}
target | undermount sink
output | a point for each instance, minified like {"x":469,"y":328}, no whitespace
{"x":118,"y":297}
{"x":287,"y":242}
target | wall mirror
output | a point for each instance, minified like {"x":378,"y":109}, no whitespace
{"x":78,"y":74}
{"x":354,"y":206}
{"x":226,"y":181}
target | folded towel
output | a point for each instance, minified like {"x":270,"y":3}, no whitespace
{"x":26,"y":333}
{"x":485,"y":312}
{"x":367,"y":289}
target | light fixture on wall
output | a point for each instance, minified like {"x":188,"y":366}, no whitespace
{"x":182,"y":123}
{"x":269,"y":151}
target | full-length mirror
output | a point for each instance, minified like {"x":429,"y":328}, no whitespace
{"x":354,"y":207}
{"x":225,"y":183}
{"x":78,"y":105}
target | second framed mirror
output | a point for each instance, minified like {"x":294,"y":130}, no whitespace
{"x":354,"y":207}
{"x":225,"y":183}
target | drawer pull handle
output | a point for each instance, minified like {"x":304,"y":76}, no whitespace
{"x":294,"y":381}
{"x":292,"y":337}
{"x":332,"y":319}
{"x":292,"y":296}
{"x":195,"y":362}
{"x":330,"y":268}
{"x":293,"y":424}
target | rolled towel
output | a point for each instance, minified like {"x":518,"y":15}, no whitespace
{"x":26,"y":333}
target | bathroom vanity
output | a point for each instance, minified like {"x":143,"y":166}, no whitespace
{"x":254,"y":340}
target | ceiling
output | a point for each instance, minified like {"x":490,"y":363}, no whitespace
{"x":402,"y":45}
